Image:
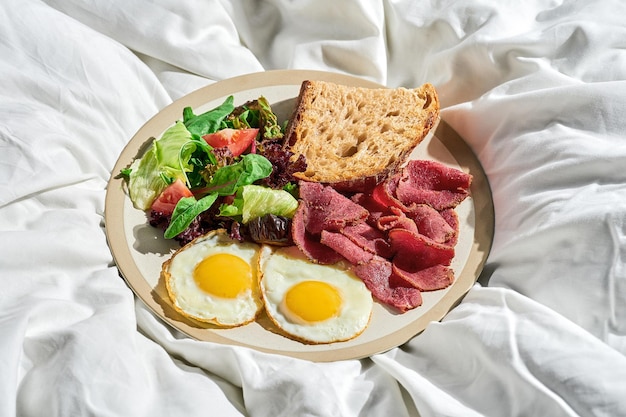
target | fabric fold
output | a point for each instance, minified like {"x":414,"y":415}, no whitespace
{"x":535,"y":89}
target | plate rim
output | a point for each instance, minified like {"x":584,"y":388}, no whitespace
{"x":480,"y":192}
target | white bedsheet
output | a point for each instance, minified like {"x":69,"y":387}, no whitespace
{"x":536,"y":88}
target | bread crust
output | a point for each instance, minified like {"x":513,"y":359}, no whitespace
{"x":355,"y":137}
{"x":296,"y":116}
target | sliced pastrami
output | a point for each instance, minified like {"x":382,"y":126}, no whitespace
{"x":328,"y":209}
{"x":431,"y":223}
{"x":397,"y":219}
{"x":375,"y":209}
{"x":452,"y":218}
{"x":375,"y":275}
{"x":345,"y":247}
{"x":310,"y":244}
{"x":369,"y":238}
{"x":436,"y":277}
{"x":384,"y":194}
{"x":432,"y":183}
{"x":414,"y":252}
{"x":398,"y":236}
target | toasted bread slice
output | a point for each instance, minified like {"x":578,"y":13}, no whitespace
{"x":353,"y":137}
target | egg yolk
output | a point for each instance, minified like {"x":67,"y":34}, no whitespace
{"x":223,"y":275}
{"x":313,"y":301}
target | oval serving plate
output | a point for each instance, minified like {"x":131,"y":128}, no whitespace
{"x":139,"y":249}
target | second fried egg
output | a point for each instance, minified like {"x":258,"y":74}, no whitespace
{"x":310,"y":302}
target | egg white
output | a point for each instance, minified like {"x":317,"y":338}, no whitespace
{"x":282,"y":268}
{"x":191,"y":301}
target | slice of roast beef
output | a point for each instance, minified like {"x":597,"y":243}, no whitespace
{"x":369,"y":238}
{"x":375,"y":275}
{"x":327,"y":208}
{"x":310,"y":244}
{"x":432,"y":183}
{"x":384,"y":194}
{"x":436,"y":277}
{"x":431,"y":223}
{"x":375,"y":209}
{"x":452,"y":218}
{"x":414,"y":252}
{"x":340,"y":243}
{"x":396,"y":219}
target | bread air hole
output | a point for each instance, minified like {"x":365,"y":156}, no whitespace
{"x":350,"y":145}
{"x":347,"y":152}
{"x":427,"y":101}
{"x":393,"y":113}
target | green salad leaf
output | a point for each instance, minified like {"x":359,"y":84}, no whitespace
{"x":201,"y":156}
{"x":208,"y":122}
{"x":272,"y":129}
{"x":254,"y":201}
{"x":250,"y":168}
{"x":187,"y":209}
{"x":159,"y":166}
{"x":226,"y":181}
{"x":255,"y":114}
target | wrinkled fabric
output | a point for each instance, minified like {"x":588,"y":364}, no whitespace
{"x":537,"y":90}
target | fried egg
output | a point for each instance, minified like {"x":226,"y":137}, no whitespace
{"x":313,"y":303}
{"x":214,"y":279}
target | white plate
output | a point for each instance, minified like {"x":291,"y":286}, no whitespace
{"x":139,"y":249}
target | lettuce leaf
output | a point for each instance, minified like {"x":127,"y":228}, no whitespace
{"x":250,"y":168}
{"x":169,"y":158}
{"x":255,"y":114}
{"x":207,"y":122}
{"x":186,"y":210}
{"x":226,"y":181}
{"x":165,"y":161}
{"x":272,"y":129}
{"x":254,"y":201}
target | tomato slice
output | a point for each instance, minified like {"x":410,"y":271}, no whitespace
{"x":237,"y":140}
{"x":168,"y":198}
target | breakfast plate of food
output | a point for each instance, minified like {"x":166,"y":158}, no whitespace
{"x":304,"y":213}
